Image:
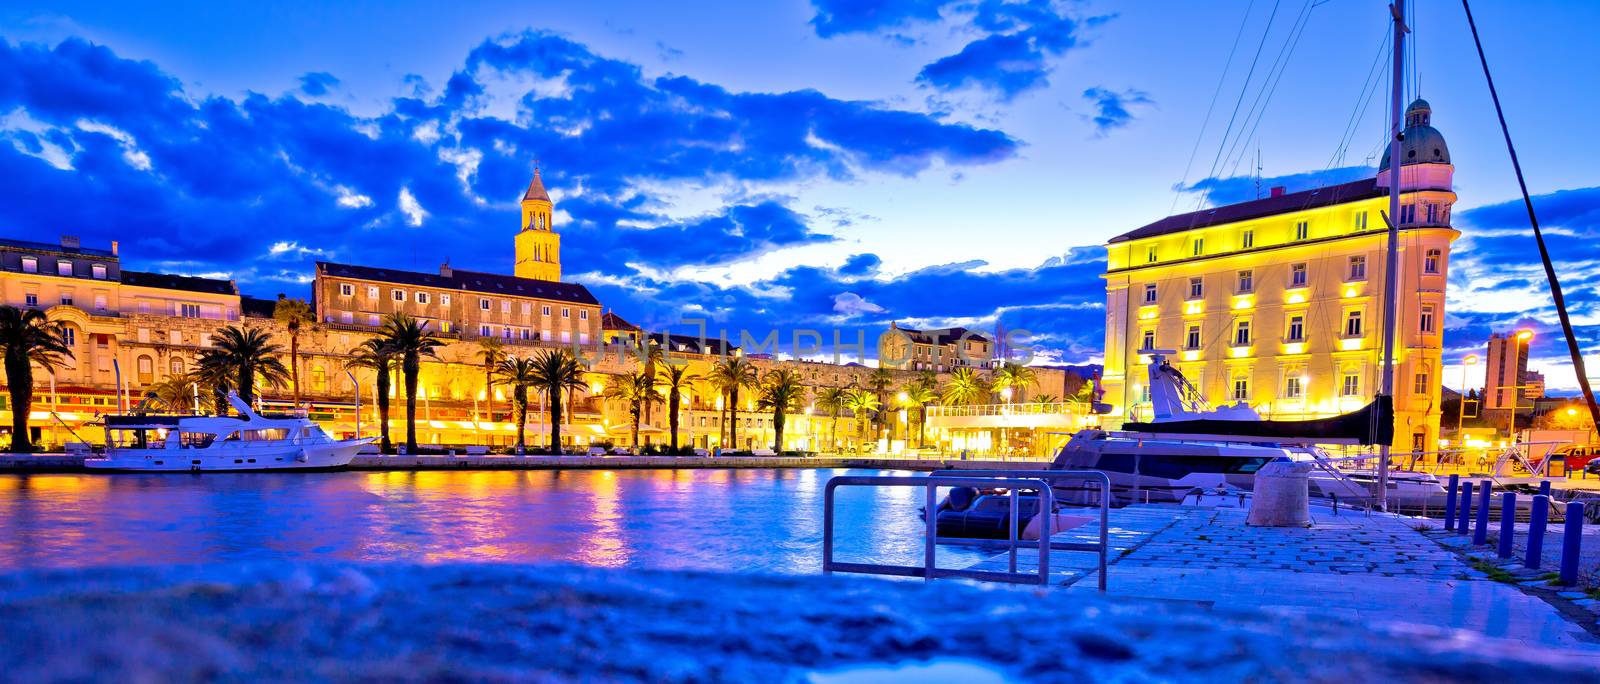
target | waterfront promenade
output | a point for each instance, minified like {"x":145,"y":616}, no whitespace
{"x":69,"y":463}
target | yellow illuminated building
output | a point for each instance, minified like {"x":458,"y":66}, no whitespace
{"x":538,"y":244}
{"x":1278,"y":302}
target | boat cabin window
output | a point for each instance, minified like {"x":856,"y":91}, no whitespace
{"x":137,"y":438}
{"x":196,"y":440}
{"x":311,"y":432}
{"x":264,"y":434}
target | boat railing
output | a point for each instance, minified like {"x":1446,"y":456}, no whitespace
{"x":1092,"y":485}
{"x":930,"y":568}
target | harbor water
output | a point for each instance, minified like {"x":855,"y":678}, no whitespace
{"x":760,"y":521}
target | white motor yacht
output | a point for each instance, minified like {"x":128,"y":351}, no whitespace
{"x":247,"y":442}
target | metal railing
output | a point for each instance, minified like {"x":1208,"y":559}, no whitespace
{"x":1102,"y":497}
{"x":1015,"y":409}
{"x":930,"y":569}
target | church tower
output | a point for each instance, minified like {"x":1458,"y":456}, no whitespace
{"x":538,"y":244}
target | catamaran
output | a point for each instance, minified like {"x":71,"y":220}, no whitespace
{"x":247,"y":442}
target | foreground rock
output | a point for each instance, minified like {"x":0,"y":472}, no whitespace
{"x":531,"y":623}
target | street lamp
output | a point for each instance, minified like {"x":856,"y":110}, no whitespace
{"x":1461,"y":407}
{"x":1522,"y":338}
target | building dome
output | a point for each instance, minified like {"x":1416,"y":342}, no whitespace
{"x":1421,"y":143}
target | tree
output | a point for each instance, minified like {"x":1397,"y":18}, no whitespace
{"x":28,"y":337}
{"x":831,"y":400}
{"x":410,"y":340}
{"x":964,"y":387}
{"x":1046,"y":399}
{"x":376,"y":356}
{"x":861,"y":404}
{"x":637,"y":390}
{"x":781,"y":392}
{"x":491,"y":351}
{"x":216,"y":378}
{"x":554,"y":372}
{"x":519,"y":374}
{"x":248,"y":354}
{"x":1015,"y":376}
{"x":293,"y":313}
{"x":879,"y":380}
{"x":730,"y":375}
{"x":676,"y":379}
{"x":920,"y":395}
{"x":175,"y":393}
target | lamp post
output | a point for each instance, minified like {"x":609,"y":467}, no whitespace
{"x":1461,"y":407}
{"x":1522,"y":338}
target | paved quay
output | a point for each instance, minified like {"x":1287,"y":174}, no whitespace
{"x":1372,"y":569}
{"x":68,"y":463}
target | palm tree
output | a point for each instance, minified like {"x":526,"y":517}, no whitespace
{"x":1015,"y":376}
{"x":964,"y":387}
{"x":216,"y":377}
{"x":1046,"y":399}
{"x":676,"y":379}
{"x":247,"y":354}
{"x":174,"y":393}
{"x":879,"y":380}
{"x":920,"y":395}
{"x":410,"y":340}
{"x":654,"y":357}
{"x":555,"y":371}
{"x":491,"y":351}
{"x":638,"y":390}
{"x":831,"y":400}
{"x":861,"y":403}
{"x":781,"y":391}
{"x":293,"y":313}
{"x":519,"y":374}
{"x":731,"y":374}
{"x":28,"y":337}
{"x":376,"y":356}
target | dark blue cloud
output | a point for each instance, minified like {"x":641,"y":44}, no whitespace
{"x":317,"y":83}
{"x":838,"y":17}
{"x":860,"y":265}
{"x":1111,"y":108}
{"x":1234,"y":189}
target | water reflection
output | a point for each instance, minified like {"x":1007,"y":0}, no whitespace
{"x":746,"y":520}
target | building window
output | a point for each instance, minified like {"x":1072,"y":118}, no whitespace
{"x":1297,"y":275}
{"x":1352,"y":323}
{"x":66,"y":298}
{"x":1197,"y":288}
{"x":372,"y":319}
{"x":444,"y":300}
{"x":1302,"y":230}
{"x":69,"y":336}
{"x":1361,"y":221}
{"x":483,"y":331}
{"x":1350,"y":384}
{"x":98,"y":271}
{"x":505,"y":306}
{"x":1420,"y":385}
{"x":30,"y":265}
{"x":545,"y":334}
{"x":31,"y":299}
{"x":566,"y":313}
{"x":1150,"y":254}
{"x":544,"y":311}
{"x":346,"y":317}
{"x":506,"y":333}
{"x":483,"y":303}
{"x":1150,"y":294}
{"x":398,"y":295}
{"x":1241,"y":334}
{"x":526,"y":333}
{"x":583,"y":314}
{"x":1433,"y":213}
{"x":372,"y":292}
{"x":1192,"y":340}
{"x":1425,"y":319}
{"x":1297,"y":328}
{"x":177,"y":366}
{"x":1147,"y":339}
{"x":1358,"y":268}
{"x":1199,"y":246}
{"x":189,"y":310}
{"x":422,"y":298}
{"x":347,"y":290}
{"x":1247,"y":281}
{"x":1247,"y":240}
{"x":1241,"y":388}
{"x":1408,"y":214}
{"x":1430,"y":261}
{"x":99,"y":302}
{"x":566,"y":337}
{"x":1292,"y":386}
{"x":64,"y":267}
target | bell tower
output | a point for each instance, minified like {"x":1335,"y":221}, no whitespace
{"x":538,"y":245}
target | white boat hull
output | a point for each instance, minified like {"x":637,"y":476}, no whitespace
{"x":329,"y":455}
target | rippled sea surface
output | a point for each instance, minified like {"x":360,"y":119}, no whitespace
{"x":732,"y":520}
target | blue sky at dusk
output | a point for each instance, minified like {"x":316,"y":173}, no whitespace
{"x":788,"y":164}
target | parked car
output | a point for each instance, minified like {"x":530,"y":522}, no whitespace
{"x":1574,"y":458}
{"x":702,"y":453}
{"x":621,"y":451}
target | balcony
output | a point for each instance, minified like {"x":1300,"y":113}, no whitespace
{"x":1067,"y":415}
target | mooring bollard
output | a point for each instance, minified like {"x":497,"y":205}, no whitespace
{"x":1508,"y":522}
{"x":1466,"y":508}
{"x":1481,"y":534}
{"x":1571,"y":541}
{"x":1450,"y":503}
{"x":1538,"y":517}
{"x":1544,"y":487}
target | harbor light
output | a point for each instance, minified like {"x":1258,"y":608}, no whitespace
{"x":1524,"y":335}
{"x":1572,"y":412}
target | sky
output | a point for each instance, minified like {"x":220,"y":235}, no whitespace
{"x":793,"y":164}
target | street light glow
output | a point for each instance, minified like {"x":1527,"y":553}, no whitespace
{"x":1524,"y":335}
{"x":1472,"y":359}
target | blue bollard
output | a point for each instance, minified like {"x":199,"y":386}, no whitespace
{"x":1508,"y":522}
{"x":1571,"y":540}
{"x":1462,"y":527}
{"x":1538,"y":519}
{"x":1450,"y":503}
{"x":1480,"y":536}
{"x":1544,"y":487}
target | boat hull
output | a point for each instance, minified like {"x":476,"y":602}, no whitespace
{"x":290,"y":457}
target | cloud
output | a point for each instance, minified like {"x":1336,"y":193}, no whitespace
{"x":851,"y":304}
{"x":1235,"y":189}
{"x":860,"y":265}
{"x":840,"y":17}
{"x":411,"y":208}
{"x":1112,"y":108}
{"x":317,"y":83}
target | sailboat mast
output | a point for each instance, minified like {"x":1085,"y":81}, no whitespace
{"x":1392,"y":257}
